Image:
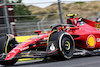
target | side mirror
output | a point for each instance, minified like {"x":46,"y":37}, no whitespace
{"x":37,"y":31}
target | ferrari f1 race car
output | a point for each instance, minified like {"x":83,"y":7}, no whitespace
{"x":79,"y":36}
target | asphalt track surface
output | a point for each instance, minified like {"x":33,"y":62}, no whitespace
{"x":93,"y":61}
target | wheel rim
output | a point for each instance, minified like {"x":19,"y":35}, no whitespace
{"x":67,"y":45}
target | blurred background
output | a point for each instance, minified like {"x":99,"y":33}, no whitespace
{"x":22,"y":17}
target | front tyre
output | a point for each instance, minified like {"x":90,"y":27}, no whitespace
{"x":67,"y":47}
{"x":65,"y":44}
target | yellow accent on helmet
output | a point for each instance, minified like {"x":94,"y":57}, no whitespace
{"x":72,"y":15}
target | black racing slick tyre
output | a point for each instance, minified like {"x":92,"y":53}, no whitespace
{"x":66,"y":47}
{"x":6,"y":46}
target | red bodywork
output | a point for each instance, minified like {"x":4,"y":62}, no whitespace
{"x":89,"y":28}
{"x":81,"y":33}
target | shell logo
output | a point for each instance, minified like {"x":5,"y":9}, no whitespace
{"x":91,"y":41}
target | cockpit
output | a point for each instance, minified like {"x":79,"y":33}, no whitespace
{"x":74,"y":21}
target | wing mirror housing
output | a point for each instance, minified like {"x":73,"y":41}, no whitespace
{"x":37,"y":31}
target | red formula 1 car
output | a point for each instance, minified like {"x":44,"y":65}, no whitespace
{"x":79,"y":36}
